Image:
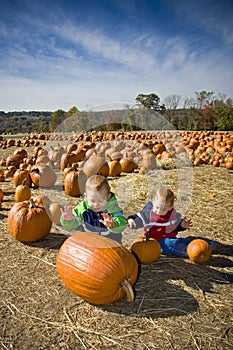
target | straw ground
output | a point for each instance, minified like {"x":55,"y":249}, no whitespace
{"x":178,"y":305}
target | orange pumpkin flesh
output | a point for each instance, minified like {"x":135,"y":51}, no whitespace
{"x":199,"y":251}
{"x":96,"y":268}
{"x":28,"y":222}
{"x":146,"y":249}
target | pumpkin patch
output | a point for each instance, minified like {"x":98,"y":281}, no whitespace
{"x":36,"y":300}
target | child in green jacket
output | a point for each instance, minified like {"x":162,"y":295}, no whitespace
{"x":99,"y":212}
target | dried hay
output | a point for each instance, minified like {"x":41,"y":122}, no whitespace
{"x":178,"y":305}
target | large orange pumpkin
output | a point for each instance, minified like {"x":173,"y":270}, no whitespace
{"x":96,"y":268}
{"x":43,"y":175}
{"x":199,"y":251}
{"x":149,"y":161}
{"x":96,"y":165}
{"x":114,"y":168}
{"x":146,"y":249}
{"x":127,"y":165}
{"x":74,"y":182}
{"x":20,"y":175}
{"x":67,"y":159}
{"x":28,"y":222}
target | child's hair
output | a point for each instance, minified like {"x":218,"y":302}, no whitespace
{"x":98,"y":183}
{"x":164,"y":195}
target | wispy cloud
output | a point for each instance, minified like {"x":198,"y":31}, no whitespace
{"x":99,"y":46}
{"x":213,"y":18}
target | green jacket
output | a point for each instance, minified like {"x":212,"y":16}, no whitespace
{"x":88,"y":220}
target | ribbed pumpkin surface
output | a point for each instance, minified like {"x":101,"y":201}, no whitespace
{"x":146,"y":251}
{"x":93,"y":267}
{"x":96,"y":165}
{"x":74,"y":183}
{"x":28,"y":223}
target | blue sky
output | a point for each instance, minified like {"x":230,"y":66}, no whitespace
{"x":63,"y":53}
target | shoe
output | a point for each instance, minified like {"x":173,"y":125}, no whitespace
{"x":212,"y":244}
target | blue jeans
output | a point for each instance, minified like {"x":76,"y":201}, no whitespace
{"x":174,"y":246}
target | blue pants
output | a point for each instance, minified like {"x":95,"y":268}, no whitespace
{"x":174,"y":246}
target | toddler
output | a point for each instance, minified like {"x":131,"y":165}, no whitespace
{"x":99,"y":212}
{"x":164,"y":222}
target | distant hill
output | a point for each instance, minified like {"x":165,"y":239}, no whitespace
{"x":24,"y":122}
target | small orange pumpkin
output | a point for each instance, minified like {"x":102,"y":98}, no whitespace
{"x":199,"y":251}
{"x":229,"y":165}
{"x":96,"y":268}
{"x":146,"y":249}
{"x":42,"y":200}
{"x":22,"y":192}
{"x":67,"y":159}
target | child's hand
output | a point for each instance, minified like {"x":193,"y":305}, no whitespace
{"x":131,"y":223}
{"x":107,"y":220}
{"x":186,"y":223}
{"x":67,"y":214}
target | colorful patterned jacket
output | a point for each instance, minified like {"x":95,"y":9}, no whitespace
{"x":161,"y":227}
{"x":88,"y":220}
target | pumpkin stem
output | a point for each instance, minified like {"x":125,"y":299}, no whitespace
{"x":32,"y":203}
{"x":147,"y":235}
{"x":74,"y":166}
{"x":24,"y":182}
{"x":128,"y":290}
{"x":36,"y":170}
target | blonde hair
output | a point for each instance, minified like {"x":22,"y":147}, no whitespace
{"x":164,"y":195}
{"x":98,"y":183}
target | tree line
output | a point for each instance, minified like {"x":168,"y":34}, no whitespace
{"x":204,"y":112}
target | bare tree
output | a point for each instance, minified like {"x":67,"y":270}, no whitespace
{"x":189,"y":103}
{"x":203,"y":98}
{"x":171,"y":103}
